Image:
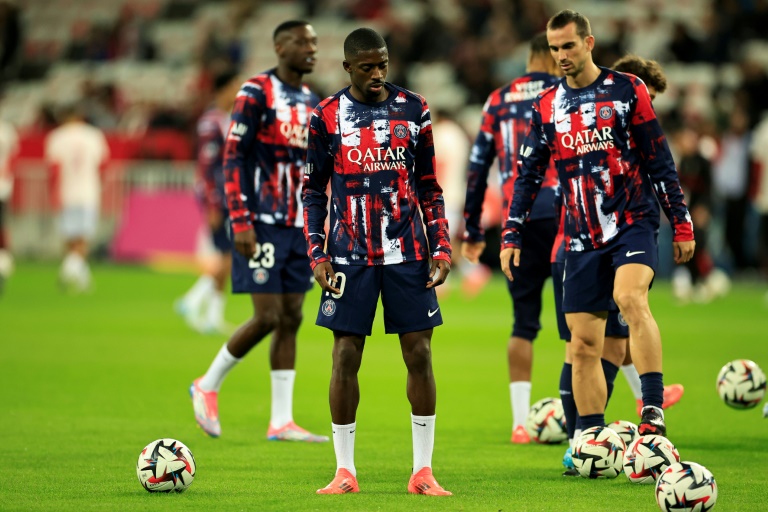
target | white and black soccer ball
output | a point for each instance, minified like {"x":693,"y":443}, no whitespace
{"x":686,"y":487}
{"x":166,"y":465}
{"x":598,"y":453}
{"x":648,"y":457}
{"x":546,"y":422}
{"x":741,"y":384}
{"x":626,"y":429}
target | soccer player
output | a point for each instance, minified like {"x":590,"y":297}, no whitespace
{"x":616,"y":347}
{"x":208,"y":290}
{"x":76,"y":152}
{"x":610,"y":153}
{"x":506,"y":116}
{"x":9,"y":146}
{"x":373,"y":142}
{"x":650,"y":72}
{"x":264,"y":159}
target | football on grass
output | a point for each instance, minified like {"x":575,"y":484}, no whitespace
{"x":741,"y":384}
{"x":166,"y":465}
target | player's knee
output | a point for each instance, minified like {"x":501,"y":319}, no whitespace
{"x":291,"y":320}
{"x":346,"y":360}
{"x":584,"y":348}
{"x":268,"y":319}
{"x":418,"y":357}
{"x":633,"y":304}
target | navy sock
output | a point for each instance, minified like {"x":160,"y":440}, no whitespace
{"x":566,"y":397}
{"x":610,"y":371}
{"x":652,"y":385}
{"x":592,"y":420}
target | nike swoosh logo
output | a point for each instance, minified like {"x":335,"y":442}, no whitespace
{"x":420,"y":424}
{"x":351,"y":431}
{"x":432,"y":313}
{"x":634,"y":252}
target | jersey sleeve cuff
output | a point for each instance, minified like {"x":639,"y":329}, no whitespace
{"x":240,"y":225}
{"x":315,"y":262}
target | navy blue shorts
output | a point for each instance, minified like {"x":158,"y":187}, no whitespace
{"x":615,"y":326}
{"x":221,"y":237}
{"x":408,"y":305}
{"x":281,"y":264}
{"x":588,"y":276}
{"x":530,"y":277}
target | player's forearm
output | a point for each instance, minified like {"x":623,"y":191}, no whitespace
{"x":315,"y":213}
{"x":239,"y":214}
{"x":477,"y":184}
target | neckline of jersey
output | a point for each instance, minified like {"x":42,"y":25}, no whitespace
{"x":273,"y":72}
{"x":598,"y":80}
{"x":390,"y":98}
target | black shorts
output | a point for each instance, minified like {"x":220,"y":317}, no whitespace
{"x":530,"y":276}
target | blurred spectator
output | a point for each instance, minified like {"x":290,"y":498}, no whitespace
{"x":129,"y":37}
{"x":760,"y":155}
{"x":754,"y":89}
{"x":698,"y":279}
{"x":683,"y":46}
{"x":730,"y":179}
{"x":76,"y":152}
{"x":101,"y":109}
{"x":9,"y":146}
{"x":10,"y":39}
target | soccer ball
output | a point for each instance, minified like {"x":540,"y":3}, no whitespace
{"x":741,"y":384}
{"x":687,"y":487}
{"x":166,"y":465}
{"x":546,"y":422}
{"x":598,"y":453}
{"x":648,"y":457}
{"x":626,"y":429}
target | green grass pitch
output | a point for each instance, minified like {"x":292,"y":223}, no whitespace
{"x":87,"y":381}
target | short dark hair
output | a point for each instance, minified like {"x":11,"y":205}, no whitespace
{"x":362,"y":40}
{"x":649,"y":71}
{"x":567,"y":16}
{"x":287,"y":25}
{"x":223,"y":79}
{"x":539,"y":44}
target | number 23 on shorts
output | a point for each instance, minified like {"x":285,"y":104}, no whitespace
{"x":264,"y":257}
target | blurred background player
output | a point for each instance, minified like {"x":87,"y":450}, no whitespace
{"x":611,"y":244}
{"x":76,"y":153}
{"x":451,"y":152}
{"x":373,"y":142}
{"x":203,"y":305}
{"x":506,"y":117}
{"x":264,"y":162}
{"x":9,"y":147}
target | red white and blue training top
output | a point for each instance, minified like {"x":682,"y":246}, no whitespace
{"x":265,"y":152}
{"x":211,"y":132}
{"x":610,"y":155}
{"x":380,"y":160}
{"x":506,"y":118}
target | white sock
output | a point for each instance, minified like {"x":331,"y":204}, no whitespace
{"x":282,"y":397}
{"x":220,"y":367}
{"x":202,"y":288}
{"x":215,"y":313}
{"x":520,"y":394}
{"x":344,"y":446}
{"x":70,"y":267}
{"x":633,"y":378}
{"x":423,"y":429}
{"x":576,"y":434}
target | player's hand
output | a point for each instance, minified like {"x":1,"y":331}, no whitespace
{"x":683,"y":251}
{"x":215,"y":219}
{"x":507,"y":256}
{"x":438,"y":273}
{"x":325,"y":276}
{"x":245,"y":243}
{"x":471,"y":251}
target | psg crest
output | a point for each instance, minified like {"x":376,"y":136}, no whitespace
{"x":260,"y":276}
{"x":328,"y":308}
{"x":401,"y":131}
{"x":606,"y":112}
